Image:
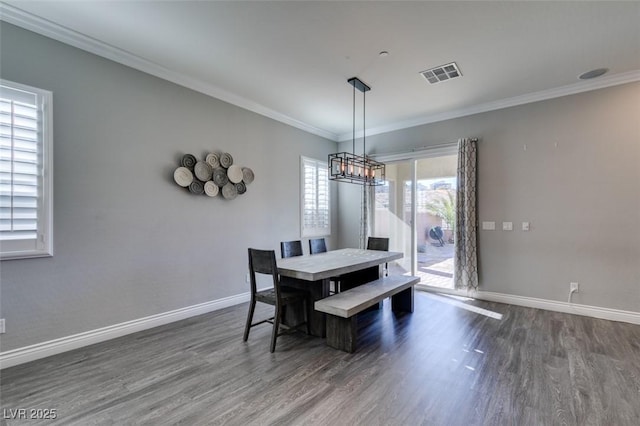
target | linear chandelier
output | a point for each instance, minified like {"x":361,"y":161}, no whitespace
{"x":350,"y":167}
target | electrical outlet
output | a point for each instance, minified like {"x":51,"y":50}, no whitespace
{"x":247,"y":278}
{"x":574,"y":287}
{"x":1,"y":325}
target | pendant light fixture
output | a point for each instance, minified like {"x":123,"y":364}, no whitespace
{"x":350,"y":167}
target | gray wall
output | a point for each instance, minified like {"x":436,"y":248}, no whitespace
{"x":128,"y":241}
{"x":581,"y":197}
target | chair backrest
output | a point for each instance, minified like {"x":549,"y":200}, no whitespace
{"x":263,"y":262}
{"x":380,"y":244}
{"x":291,"y":248}
{"x":317,"y":245}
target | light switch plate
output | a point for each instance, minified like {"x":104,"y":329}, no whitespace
{"x":488,"y":226}
{"x":1,"y":325}
{"x":525,"y":226}
{"x":507,"y":226}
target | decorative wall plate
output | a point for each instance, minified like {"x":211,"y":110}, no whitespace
{"x":212,"y":160}
{"x":183,"y":176}
{"x":226,"y":160}
{"x":214,"y":175}
{"x":235,"y":173}
{"x":211,"y":189}
{"x":203,"y":171}
{"x":220,"y":177}
{"x":247,"y":175}
{"x":196,"y":187}
{"x":189,"y":161}
{"x":229,"y":191}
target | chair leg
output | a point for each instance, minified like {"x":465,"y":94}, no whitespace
{"x":276,"y":327}
{"x":252,"y":307}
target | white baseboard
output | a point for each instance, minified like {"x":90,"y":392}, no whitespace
{"x":63,"y":344}
{"x":548,"y":305}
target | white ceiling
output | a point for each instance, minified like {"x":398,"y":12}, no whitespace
{"x":291,"y":60}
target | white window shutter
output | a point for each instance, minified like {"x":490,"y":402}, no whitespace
{"x":315,"y":208}
{"x":25,"y":197}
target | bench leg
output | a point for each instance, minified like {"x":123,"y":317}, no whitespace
{"x":342,"y":333}
{"x":403,"y":301}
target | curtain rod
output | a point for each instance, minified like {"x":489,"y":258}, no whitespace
{"x":420,"y":148}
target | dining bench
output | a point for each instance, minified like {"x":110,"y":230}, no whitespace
{"x":341,"y":309}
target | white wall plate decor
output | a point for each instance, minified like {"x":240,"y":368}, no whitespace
{"x":235,"y":174}
{"x":213,"y":175}
{"x":183,"y":176}
{"x":211,"y":189}
{"x":212,"y":160}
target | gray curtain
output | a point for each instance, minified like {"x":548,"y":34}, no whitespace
{"x":465,"y":274}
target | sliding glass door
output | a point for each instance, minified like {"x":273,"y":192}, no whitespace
{"x":416,"y":210}
{"x":435,"y":219}
{"x":392,"y":215}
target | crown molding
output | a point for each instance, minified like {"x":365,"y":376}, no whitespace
{"x":65,"y":35}
{"x":571,"y":89}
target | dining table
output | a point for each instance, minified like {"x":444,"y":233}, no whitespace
{"x":313,"y":272}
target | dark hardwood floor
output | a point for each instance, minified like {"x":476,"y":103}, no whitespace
{"x":441,"y":365}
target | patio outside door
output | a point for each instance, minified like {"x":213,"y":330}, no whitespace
{"x":416,"y":210}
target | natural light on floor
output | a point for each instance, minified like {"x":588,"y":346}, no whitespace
{"x":458,"y":301}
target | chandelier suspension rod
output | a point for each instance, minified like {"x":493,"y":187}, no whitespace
{"x":353,"y":139}
{"x":364,"y":136}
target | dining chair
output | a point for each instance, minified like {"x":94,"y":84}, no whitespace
{"x":290,"y":248}
{"x":317,"y":245}
{"x":380,"y":244}
{"x":264,"y":262}
{"x":377,"y":243}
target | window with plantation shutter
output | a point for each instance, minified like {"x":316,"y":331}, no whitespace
{"x":315,"y":211}
{"x":25,"y":170}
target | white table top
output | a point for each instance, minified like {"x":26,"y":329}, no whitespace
{"x":314,"y":267}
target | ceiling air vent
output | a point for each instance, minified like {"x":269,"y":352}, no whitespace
{"x":442,"y":73}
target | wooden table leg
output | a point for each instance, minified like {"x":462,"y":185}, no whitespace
{"x":354,"y":279}
{"x":316,"y":290}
